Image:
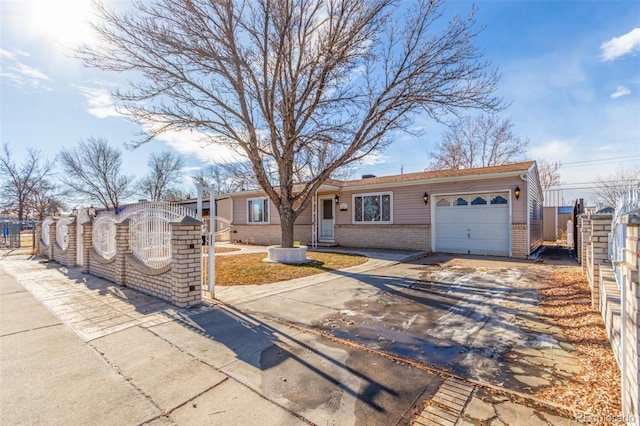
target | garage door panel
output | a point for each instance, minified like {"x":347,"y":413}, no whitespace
{"x":478,"y":229}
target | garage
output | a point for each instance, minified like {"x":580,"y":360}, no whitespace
{"x":472,"y":224}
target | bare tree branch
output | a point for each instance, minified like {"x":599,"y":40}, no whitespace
{"x":160,"y":182}
{"x":304,"y":86}
{"x":92,"y":170}
{"x":612,"y":187}
{"x":21,"y":181}
{"x":480,"y":141}
{"x":549,"y":172}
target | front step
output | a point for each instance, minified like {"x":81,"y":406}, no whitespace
{"x":326,"y":244}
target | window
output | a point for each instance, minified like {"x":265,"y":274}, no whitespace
{"x":443,"y":202}
{"x":460,"y":201}
{"x":479,"y":200}
{"x":258,"y":210}
{"x":498,"y":199}
{"x":372,"y":208}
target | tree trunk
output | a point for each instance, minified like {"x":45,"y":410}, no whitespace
{"x":287,"y":221}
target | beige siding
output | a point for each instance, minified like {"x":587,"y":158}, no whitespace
{"x":223,"y":208}
{"x":409,"y":208}
{"x":536,"y":202}
{"x":240,"y":211}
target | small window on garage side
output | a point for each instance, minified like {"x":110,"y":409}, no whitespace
{"x":479,"y":200}
{"x":460,"y":201}
{"x":498,"y":199}
{"x":443,"y":201}
{"x":258,"y":210}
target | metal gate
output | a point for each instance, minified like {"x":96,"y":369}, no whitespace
{"x":10,"y":234}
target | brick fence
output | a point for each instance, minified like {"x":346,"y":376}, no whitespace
{"x":619,"y":303}
{"x":179,"y":282}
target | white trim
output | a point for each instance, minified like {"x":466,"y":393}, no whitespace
{"x":371,"y":194}
{"x":268,"y":208}
{"x":320,"y":218}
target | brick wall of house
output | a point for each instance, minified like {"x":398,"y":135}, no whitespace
{"x":519,"y":244}
{"x":400,"y":237}
{"x":268,"y":235}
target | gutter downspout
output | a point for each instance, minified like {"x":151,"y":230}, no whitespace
{"x":523,"y":176}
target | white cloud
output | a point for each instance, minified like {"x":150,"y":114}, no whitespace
{"x":620,"y":91}
{"x":20,"y":74}
{"x":553,"y":150}
{"x":199,"y":145}
{"x":99,"y":102}
{"x":620,"y":46}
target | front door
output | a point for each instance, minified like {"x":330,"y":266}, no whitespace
{"x":326,"y":219}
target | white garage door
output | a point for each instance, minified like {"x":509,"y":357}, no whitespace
{"x":472,"y":224}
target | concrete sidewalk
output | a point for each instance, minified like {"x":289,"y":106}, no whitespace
{"x":76,"y":349}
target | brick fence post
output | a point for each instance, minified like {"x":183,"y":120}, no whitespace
{"x":122,"y":248}
{"x":87,"y":244}
{"x":600,"y":229}
{"x":72,"y":248}
{"x":631,"y":327}
{"x":38,"y":239}
{"x":186,"y":262}
{"x":585,"y":240}
{"x":52,"y":239}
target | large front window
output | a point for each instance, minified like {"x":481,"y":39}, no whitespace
{"x":372,"y":208}
{"x":258,"y":210}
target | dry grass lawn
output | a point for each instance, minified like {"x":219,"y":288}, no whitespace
{"x":245,"y":269}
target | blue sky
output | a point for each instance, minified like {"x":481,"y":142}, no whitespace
{"x":570,"y":71}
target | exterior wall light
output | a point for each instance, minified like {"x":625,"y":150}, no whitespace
{"x":516,"y":192}
{"x":425,"y":198}
{"x":337,"y":198}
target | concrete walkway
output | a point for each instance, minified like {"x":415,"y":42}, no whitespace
{"x":77,"y":350}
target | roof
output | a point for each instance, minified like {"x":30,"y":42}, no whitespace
{"x":513,"y":168}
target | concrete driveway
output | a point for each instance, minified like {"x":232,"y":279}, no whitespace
{"x":474,"y":317}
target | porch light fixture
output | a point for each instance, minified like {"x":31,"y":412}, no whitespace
{"x":425,"y":198}
{"x":516,"y":192}
{"x":337,"y":198}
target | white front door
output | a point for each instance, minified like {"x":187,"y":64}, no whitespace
{"x":326,"y":215}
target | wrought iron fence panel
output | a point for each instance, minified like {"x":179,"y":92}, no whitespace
{"x":150,"y":230}
{"x":62,"y":232}
{"x":617,"y":237}
{"x":104,"y":234}
{"x":45,"y":230}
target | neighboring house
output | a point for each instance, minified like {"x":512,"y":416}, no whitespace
{"x":487,"y":211}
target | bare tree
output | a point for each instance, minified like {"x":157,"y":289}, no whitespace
{"x":21,"y":180}
{"x":46,"y":199}
{"x":481,"y":141}
{"x":609,"y":189}
{"x":92,"y":170}
{"x":160,"y":183}
{"x":549,"y":172}
{"x":308,"y":86}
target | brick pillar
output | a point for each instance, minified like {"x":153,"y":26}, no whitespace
{"x":38,"y":239}
{"x":122,"y":248}
{"x":72,"y":249}
{"x":52,"y":239}
{"x":579,"y":247}
{"x":600,"y":229}
{"x":585,"y":238}
{"x":630,"y":267}
{"x":87,"y":244}
{"x":186,"y":262}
